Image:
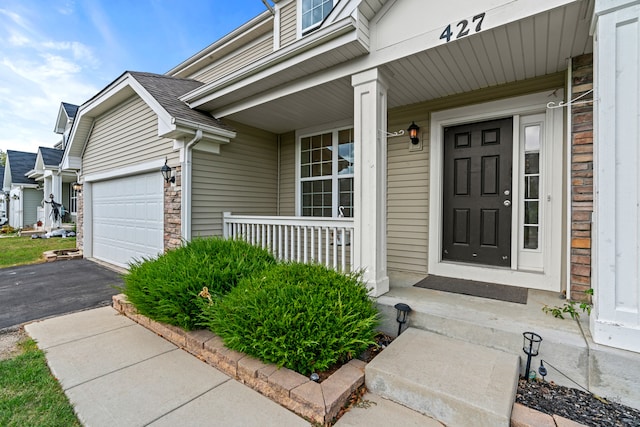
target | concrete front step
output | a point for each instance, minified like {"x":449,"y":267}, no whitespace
{"x":455,"y":382}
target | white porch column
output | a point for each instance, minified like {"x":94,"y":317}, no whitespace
{"x":370,"y":179}
{"x":616,"y":270}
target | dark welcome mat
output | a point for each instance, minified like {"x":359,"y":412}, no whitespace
{"x":476,"y":289}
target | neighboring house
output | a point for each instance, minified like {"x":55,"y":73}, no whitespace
{"x":506,"y":180}
{"x":3,"y":202}
{"x":64,"y":121}
{"x":24,"y":193}
{"x":55,"y":182}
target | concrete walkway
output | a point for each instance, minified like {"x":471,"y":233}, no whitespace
{"x":117,"y":373}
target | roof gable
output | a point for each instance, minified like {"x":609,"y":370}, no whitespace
{"x":19,"y":163}
{"x":66,"y":114}
{"x":176,"y":120}
{"x":167,"y":90}
{"x":51,"y":157}
{"x":70,"y":109}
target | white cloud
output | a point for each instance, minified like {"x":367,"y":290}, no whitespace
{"x":66,"y":8}
{"x":79,"y":51}
{"x":18,"y":40}
{"x":36,"y":74}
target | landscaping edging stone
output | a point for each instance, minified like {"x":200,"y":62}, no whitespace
{"x":317,"y":402}
{"x":62,"y":254}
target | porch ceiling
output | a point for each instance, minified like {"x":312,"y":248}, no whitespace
{"x":533,"y":47}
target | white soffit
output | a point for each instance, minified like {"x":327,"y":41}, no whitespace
{"x":533,"y":47}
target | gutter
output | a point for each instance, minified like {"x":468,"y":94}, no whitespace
{"x":185,"y":212}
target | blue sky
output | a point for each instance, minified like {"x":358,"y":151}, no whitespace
{"x":68,"y":50}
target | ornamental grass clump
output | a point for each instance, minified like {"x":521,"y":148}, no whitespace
{"x":166,"y":289}
{"x":301,"y":316}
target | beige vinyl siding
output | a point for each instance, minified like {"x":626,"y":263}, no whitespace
{"x":407,"y":200}
{"x":233,"y":62}
{"x":242,"y":179}
{"x":125,"y":136}
{"x":288,"y":32}
{"x":408,"y":171}
{"x":288,"y":174}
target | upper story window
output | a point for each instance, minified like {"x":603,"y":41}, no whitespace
{"x":314,"y":12}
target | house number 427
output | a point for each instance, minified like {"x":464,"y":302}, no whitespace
{"x":463,"y":28}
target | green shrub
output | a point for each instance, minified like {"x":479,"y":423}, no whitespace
{"x":301,"y":316}
{"x":166,"y":289}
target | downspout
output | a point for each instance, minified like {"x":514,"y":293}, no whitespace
{"x":568,"y":175}
{"x":186,"y":186}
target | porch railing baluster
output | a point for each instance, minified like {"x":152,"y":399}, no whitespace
{"x":303,"y":239}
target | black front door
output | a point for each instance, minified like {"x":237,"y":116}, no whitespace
{"x":477,"y":193}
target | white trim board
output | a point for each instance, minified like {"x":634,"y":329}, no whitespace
{"x":550,"y":278}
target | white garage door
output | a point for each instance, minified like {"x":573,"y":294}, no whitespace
{"x":128,"y":218}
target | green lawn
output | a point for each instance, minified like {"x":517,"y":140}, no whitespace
{"x":25,"y":250}
{"x":29,"y":394}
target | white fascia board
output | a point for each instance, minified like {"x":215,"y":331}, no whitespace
{"x":267,"y":64}
{"x":241,"y":35}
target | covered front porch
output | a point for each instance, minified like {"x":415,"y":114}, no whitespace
{"x":397,"y":212}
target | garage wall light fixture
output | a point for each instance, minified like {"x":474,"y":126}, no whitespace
{"x":166,"y":173}
{"x":76,"y":186}
{"x":413,"y":133}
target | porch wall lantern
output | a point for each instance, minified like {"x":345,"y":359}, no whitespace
{"x":166,"y":173}
{"x":413,"y":133}
{"x":531,"y":347}
{"x":402,"y":311}
{"x":76,"y":186}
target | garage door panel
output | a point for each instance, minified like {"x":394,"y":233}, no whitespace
{"x":128,"y":218}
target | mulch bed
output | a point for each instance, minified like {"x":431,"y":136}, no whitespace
{"x":575,"y":405}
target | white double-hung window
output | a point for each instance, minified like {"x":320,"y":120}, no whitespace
{"x":313,"y":12}
{"x":326,"y":174}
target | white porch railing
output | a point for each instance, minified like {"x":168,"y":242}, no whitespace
{"x":304,"y":239}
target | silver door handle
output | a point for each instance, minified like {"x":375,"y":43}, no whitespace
{"x":507,"y":203}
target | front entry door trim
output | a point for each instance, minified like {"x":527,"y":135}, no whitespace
{"x":549,"y":277}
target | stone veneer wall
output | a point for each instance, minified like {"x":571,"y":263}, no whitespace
{"x":172,"y":211}
{"x":581,"y":178}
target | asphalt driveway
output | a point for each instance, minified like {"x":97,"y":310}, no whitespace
{"x":38,"y":291}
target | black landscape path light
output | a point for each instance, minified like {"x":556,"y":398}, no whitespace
{"x":531,"y":347}
{"x":401,"y":315}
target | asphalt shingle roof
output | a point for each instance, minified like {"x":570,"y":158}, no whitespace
{"x":51,"y":156}
{"x":70,"y":109}
{"x":166,"y":90}
{"x":20,"y":163}
{"x":1,"y":176}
